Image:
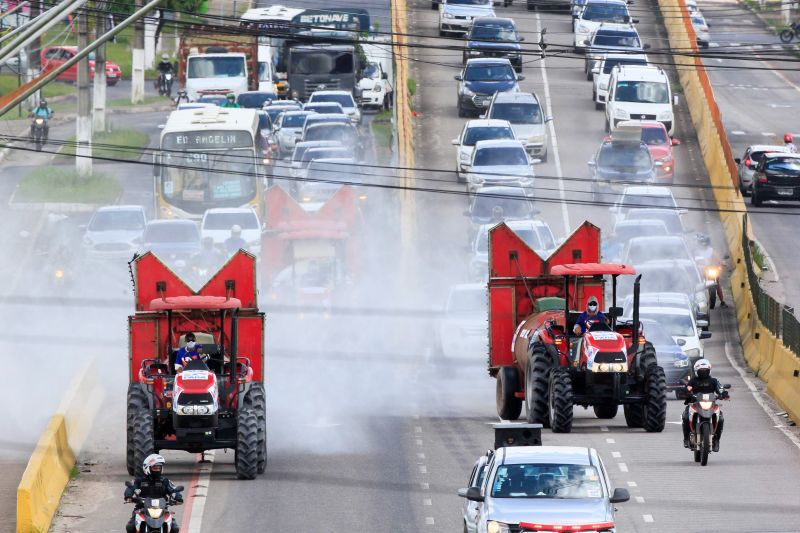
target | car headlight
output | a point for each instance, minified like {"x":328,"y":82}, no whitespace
{"x":477,"y":180}
{"x":694,"y":352}
{"x":155,"y":512}
{"x":620,"y":113}
{"x":536,"y":139}
{"x":474,"y":52}
{"x":681,"y":363}
{"x":603,"y":85}
{"x":447,"y":16}
{"x":463,"y":156}
{"x":610,"y":367}
{"x":582,"y":29}
{"x":378,"y":88}
{"x":465,"y":91}
{"x":497,"y":527}
{"x":665,"y":115}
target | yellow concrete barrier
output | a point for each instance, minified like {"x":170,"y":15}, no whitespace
{"x":49,"y":468}
{"x":784,"y":385}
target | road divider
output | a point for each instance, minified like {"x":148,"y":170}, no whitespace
{"x":51,"y":465}
{"x":765,"y":353}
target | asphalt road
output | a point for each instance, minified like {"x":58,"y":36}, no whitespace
{"x":758,"y":106}
{"x":367,"y":432}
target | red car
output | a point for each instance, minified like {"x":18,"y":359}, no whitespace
{"x":56,"y":56}
{"x":658,"y":141}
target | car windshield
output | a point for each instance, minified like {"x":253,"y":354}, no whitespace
{"x":505,"y":156}
{"x":344,"y":100}
{"x":655,"y":333}
{"x":216,"y":100}
{"x":655,"y":136}
{"x":255,"y":100}
{"x":634,"y":157}
{"x":225,"y":221}
{"x":466,"y":301}
{"x":273,"y":112}
{"x":325,"y":107}
{"x":671,"y":218}
{"x":319,"y":119}
{"x":646,"y":200}
{"x":470,"y":2}
{"x":372,"y":71}
{"x":513,"y":207}
{"x":609,"y":64}
{"x":293,"y":121}
{"x":655,"y":250}
{"x":484,"y":133}
{"x":605,"y":12}
{"x":626,"y":232}
{"x":117,"y":221}
{"x":216,"y":67}
{"x":659,"y":278}
{"x":495,"y":72}
{"x":642,"y":92}
{"x":546,"y":481}
{"x":783,"y":165}
{"x":677,"y":325}
{"x":529,"y":113}
{"x":171,"y":233}
{"x":325,"y":153}
{"x":493,"y":33}
{"x":617,"y":39}
{"x":332,"y":132}
{"x":528,"y":235}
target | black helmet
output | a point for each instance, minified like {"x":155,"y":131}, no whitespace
{"x":42,"y":103}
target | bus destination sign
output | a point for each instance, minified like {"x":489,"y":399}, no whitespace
{"x":207,"y":140}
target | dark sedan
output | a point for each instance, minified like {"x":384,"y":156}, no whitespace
{"x":494,"y":37}
{"x":480,"y":80}
{"x":777,"y":177}
{"x":618,"y":164}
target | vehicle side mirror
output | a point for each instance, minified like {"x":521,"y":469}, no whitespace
{"x":535,"y":161}
{"x":737,"y":160}
{"x":705,"y":334}
{"x":587,"y":42}
{"x":635,"y":21}
{"x":681,"y":342}
{"x":596,"y":68}
{"x":454,"y":142}
{"x":458,"y":77}
{"x":384,"y":76}
{"x":548,"y":119}
{"x":483,"y":116}
{"x":179,"y":488}
{"x":520,"y":77}
{"x":675,"y":142}
{"x":620,"y":496}
{"x":161,"y":126}
{"x":522,"y":39}
{"x":645,"y":47}
{"x":726,"y":386}
{"x":591,"y":164}
{"x":473,"y":494}
{"x":462,"y":493}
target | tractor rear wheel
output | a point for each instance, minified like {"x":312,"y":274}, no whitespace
{"x":255,"y":399}
{"x":142,"y":439}
{"x":137,"y":401}
{"x":561,"y":401}
{"x":247,"y":444}
{"x":606,"y":411}
{"x":509,"y":406}
{"x":655,"y":406}
{"x":634,"y":415}
{"x":537,"y":386}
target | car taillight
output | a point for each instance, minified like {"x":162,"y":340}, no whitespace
{"x":762,"y":179}
{"x":531,"y":527}
{"x":748,"y":162}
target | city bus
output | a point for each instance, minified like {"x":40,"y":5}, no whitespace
{"x":209,"y":157}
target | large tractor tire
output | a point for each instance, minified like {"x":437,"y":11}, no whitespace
{"x":655,"y":406}
{"x":606,"y":411}
{"x":256,"y":400}
{"x":634,"y":415}
{"x":137,"y":401}
{"x":561,"y":401}
{"x":537,"y":386}
{"x":509,"y":406}
{"x":247,"y":444}
{"x":142,"y":439}
{"x":647,"y":357}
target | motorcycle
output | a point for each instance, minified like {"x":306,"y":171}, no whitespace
{"x":792,"y":32}
{"x":703,"y":420}
{"x":39,"y":132}
{"x":153,"y":514}
{"x":165,"y":84}
{"x":712,"y":273}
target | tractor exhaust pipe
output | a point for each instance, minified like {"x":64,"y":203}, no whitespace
{"x":635,"y":345}
{"x":234,"y":343}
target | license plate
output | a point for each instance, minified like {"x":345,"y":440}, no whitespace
{"x":786,"y":192}
{"x":483,"y":103}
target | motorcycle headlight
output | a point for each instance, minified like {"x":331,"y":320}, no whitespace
{"x":705,"y":406}
{"x":694,"y":352}
{"x":39,"y":121}
{"x":155,"y":512}
{"x":681,"y":363}
{"x":620,"y":113}
{"x":497,"y":527}
{"x":712,"y":272}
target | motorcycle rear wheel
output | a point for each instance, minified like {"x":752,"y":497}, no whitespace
{"x":786,"y":36}
{"x":705,"y":443}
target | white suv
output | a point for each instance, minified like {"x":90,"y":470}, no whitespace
{"x":455,"y":16}
{"x":639,"y":93}
{"x":602,"y":73}
{"x":596,"y":13}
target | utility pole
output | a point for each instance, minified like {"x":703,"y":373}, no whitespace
{"x":137,"y":78}
{"x":83,"y":150}
{"x":99,"y":101}
{"x":33,"y":56}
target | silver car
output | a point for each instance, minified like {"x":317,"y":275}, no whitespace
{"x":343,"y":98}
{"x":114,"y":232}
{"x":749,"y":161}
{"x":500,"y":162}
{"x":524,"y":112}
{"x":455,"y":16}
{"x":474,"y":131}
{"x":559,"y":486}
{"x":536,"y":234}
{"x":462,"y":333}
{"x":286,"y":130}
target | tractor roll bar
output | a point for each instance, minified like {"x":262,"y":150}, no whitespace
{"x":635,"y":344}
{"x":234,"y":342}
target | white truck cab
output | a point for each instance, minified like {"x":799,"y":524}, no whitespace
{"x":215,"y":73}
{"x":638,"y":92}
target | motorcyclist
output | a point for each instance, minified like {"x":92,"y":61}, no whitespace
{"x":703,"y":383}
{"x":208,"y":257}
{"x":164,"y":67}
{"x":788,"y":143}
{"x":591,"y":316}
{"x":497,"y":214}
{"x":235,"y":241}
{"x":192,"y":350}
{"x":152,"y":485}
{"x":712,"y":259}
{"x":42,"y":111}
{"x":182,"y":97}
{"x":230,"y":101}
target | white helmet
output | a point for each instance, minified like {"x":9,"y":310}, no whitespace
{"x":702,"y":368}
{"x":236,"y":229}
{"x":165,"y":57}
{"x":152,"y":460}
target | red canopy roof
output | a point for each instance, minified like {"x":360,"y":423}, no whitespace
{"x":194,"y":302}
{"x":592,"y":269}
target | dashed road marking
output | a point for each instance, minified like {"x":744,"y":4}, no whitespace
{"x":632,"y":484}
{"x":427,"y":501}
{"x":423,"y":469}
{"x":616,"y":455}
{"x":420,"y":456}
{"x":417,"y":429}
{"x":429,"y":521}
{"x":648,"y":518}
{"x":425,"y":486}
{"x":604,"y":428}
{"x":610,"y":441}
{"x":639,"y":499}
{"x":738,"y":132}
{"x":419,"y":442}
{"x":622,"y":467}
{"x":767,"y":134}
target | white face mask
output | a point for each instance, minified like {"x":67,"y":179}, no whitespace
{"x":190,"y":345}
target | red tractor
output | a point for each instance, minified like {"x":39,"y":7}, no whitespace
{"x":215,"y":402}
{"x":536,"y":358}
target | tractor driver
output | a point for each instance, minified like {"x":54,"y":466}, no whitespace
{"x":191,"y":351}
{"x":591,"y":316}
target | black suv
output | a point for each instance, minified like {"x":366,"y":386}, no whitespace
{"x":494,"y":37}
{"x":617,"y":164}
{"x":777,"y":177}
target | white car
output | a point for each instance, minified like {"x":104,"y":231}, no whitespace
{"x":681,"y":324}
{"x":535,"y":233}
{"x":114,"y":232}
{"x":602,"y":73}
{"x":644,"y":196}
{"x":500,"y":162}
{"x":455,"y":16}
{"x":463,"y":332}
{"x":343,"y":98}
{"x":474,"y":131}
{"x":470,"y":508}
{"x":595,"y":13}
{"x":700,"y":29}
{"x":320,"y":118}
{"x":288,"y":129}
{"x":217,"y":224}
{"x":639,"y":93}
{"x":656,"y":248}
{"x":375,"y":87}
{"x":299,"y":159}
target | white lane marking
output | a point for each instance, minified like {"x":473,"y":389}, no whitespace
{"x":622,"y":467}
{"x":757,"y":395}
{"x":639,"y":499}
{"x":420,"y":456}
{"x":419,"y":442}
{"x":671,"y":422}
{"x":553,"y":138}
{"x":632,"y":484}
{"x":425,"y":486}
{"x":610,"y":441}
{"x":767,"y":134}
{"x":427,"y":501}
{"x":738,"y":132}
{"x":429,"y":520}
{"x":198,"y":504}
{"x":423,"y":469}
{"x":648,"y":518}
{"x":417,"y":429}
{"x":616,"y":455}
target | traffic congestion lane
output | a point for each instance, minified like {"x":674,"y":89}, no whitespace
{"x":758,"y":105}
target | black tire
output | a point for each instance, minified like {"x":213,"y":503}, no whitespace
{"x":561,"y":401}
{"x":537,"y":386}
{"x":655,"y":405}
{"x":39,"y":145}
{"x":608,"y":126}
{"x":647,"y":357}
{"x":712,"y":298}
{"x":786,"y":36}
{"x":598,"y":106}
{"x":531,"y":6}
{"x":606,"y":411}
{"x":507,"y":3}
{"x":705,"y":443}
{"x":434,"y":5}
{"x":544,"y":157}
{"x":755,"y":199}
{"x":634,"y":415}
{"x":142,"y":439}
{"x":461,"y":112}
{"x":247,"y":444}
{"x":696,"y":453}
{"x":137,"y":401}
{"x":256,"y":400}
{"x":589,"y":74}
{"x":509,"y":407}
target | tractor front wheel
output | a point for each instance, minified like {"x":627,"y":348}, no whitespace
{"x":537,"y":386}
{"x":137,"y":401}
{"x":247,"y":444}
{"x":655,"y":407}
{"x":561,"y":401}
{"x":509,"y":406}
{"x":142,"y":439}
{"x":634,"y":415}
{"x":606,"y":411}
{"x":255,"y":399}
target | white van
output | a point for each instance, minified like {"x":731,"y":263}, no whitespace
{"x":639,"y":93}
{"x":266,"y":69}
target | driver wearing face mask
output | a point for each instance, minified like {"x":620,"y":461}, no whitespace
{"x":191,"y":351}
